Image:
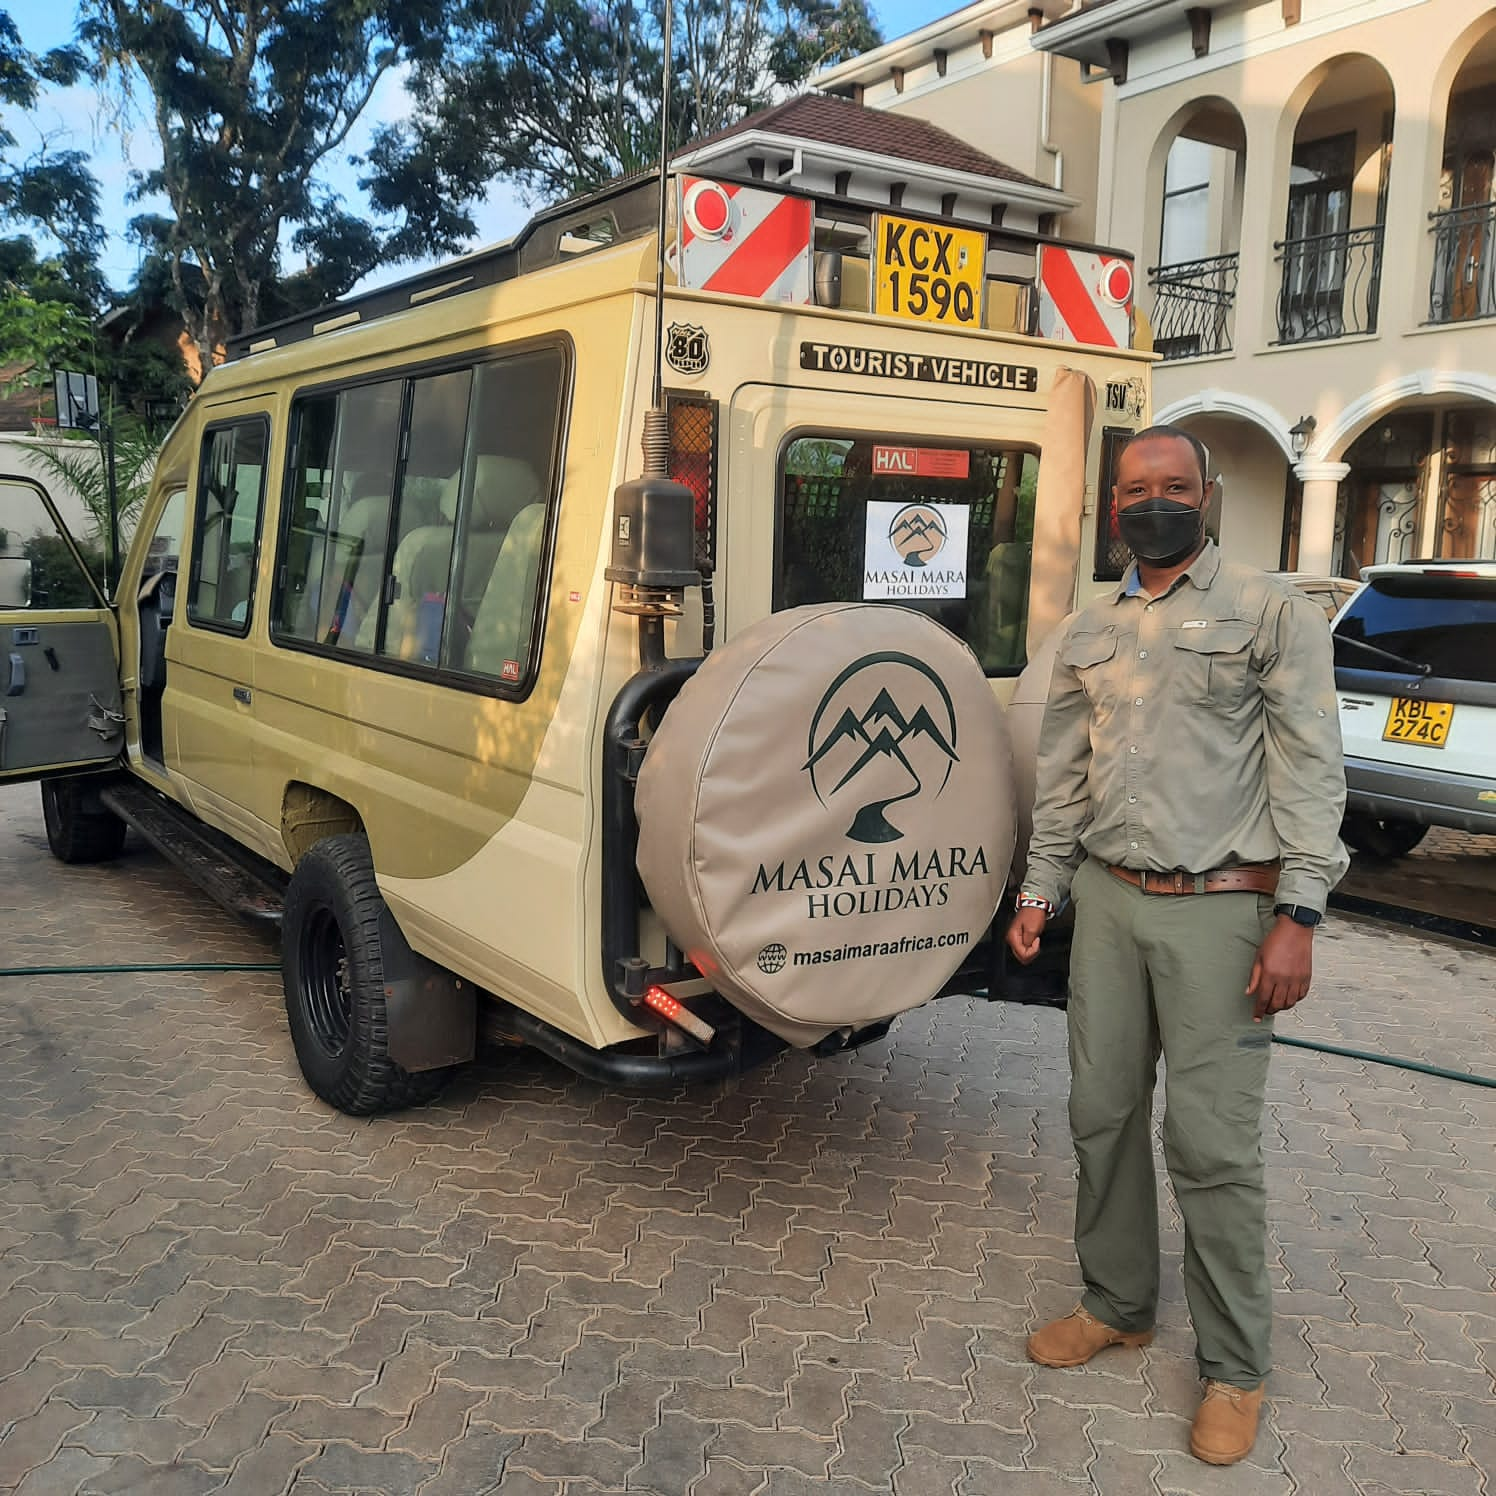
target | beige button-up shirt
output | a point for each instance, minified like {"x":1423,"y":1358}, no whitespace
{"x":1193,"y":730}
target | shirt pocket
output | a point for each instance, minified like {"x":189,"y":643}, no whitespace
{"x":1088,"y":656}
{"x":1213,"y":662}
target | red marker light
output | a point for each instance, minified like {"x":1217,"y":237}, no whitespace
{"x":682,"y":1017}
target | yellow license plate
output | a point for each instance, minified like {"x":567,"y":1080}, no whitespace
{"x":1423,"y":722}
{"x":929,"y":273}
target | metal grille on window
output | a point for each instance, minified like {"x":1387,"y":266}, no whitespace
{"x":1112,"y":556}
{"x":693,"y":460}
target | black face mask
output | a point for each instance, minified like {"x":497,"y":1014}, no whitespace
{"x":1162,"y":532}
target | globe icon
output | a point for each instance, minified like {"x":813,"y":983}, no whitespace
{"x":771,"y":959}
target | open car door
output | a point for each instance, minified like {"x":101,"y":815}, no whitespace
{"x":59,"y":670}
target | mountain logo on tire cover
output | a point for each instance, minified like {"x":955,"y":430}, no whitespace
{"x":918,"y":534}
{"x":883,"y":734}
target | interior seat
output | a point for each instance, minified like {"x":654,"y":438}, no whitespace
{"x":500,"y":640}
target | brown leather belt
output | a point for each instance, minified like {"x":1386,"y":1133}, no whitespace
{"x":1250,"y":877}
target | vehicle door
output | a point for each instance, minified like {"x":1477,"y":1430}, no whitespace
{"x":59,"y":664}
{"x":208,"y":704}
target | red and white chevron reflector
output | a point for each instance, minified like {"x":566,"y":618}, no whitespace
{"x":1085,"y":297}
{"x":745,"y":241}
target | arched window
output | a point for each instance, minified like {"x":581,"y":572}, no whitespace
{"x":1194,"y":282}
{"x":1463,"y":223}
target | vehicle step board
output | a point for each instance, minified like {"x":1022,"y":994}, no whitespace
{"x":232,"y":876}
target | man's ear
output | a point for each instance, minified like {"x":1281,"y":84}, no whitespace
{"x":1209,"y":494}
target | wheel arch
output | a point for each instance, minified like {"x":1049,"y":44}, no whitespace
{"x":310,"y":814}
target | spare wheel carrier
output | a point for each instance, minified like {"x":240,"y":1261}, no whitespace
{"x":826,"y":816}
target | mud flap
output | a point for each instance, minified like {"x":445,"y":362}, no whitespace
{"x":432,"y":1014}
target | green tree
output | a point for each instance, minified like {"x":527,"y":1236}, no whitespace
{"x":49,"y":189}
{"x":251,"y":102}
{"x":564,"y":95}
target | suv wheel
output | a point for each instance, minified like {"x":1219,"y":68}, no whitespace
{"x":333,"y":968}
{"x":79,"y":828}
{"x":1378,"y":838}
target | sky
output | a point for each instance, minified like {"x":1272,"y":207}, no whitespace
{"x":76,"y":119}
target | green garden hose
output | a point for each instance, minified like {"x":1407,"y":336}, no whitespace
{"x":88,"y":971}
{"x":1468,"y":1077}
{"x":1465,"y":1076}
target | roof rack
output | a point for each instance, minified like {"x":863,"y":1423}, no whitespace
{"x":623,"y":210}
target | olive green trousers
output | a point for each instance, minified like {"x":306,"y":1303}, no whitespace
{"x":1151,"y":974}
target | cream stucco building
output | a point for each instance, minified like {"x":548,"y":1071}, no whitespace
{"x":1308,"y":186}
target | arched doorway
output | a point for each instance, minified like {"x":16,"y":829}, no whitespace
{"x":1422,"y":484}
{"x":1331,"y":251}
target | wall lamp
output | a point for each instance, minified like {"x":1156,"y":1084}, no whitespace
{"x":1300,"y":433}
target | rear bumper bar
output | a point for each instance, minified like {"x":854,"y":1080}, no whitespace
{"x":1430,"y":797}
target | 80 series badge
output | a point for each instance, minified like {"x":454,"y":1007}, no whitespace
{"x":686,"y":348}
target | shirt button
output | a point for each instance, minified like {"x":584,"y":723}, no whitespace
{"x":1133,"y":845}
{"x":1148,"y":609}
{"x":1133,"y":749}
{"x":1142,"y":654}
{"x":1138,"y":701}
{"x":1132,"y":799}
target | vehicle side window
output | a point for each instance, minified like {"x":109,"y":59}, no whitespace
{"x":37,"y":566}
{"x":415,"y":600}
{"x":230,"y":497}
{"x":417,"y":516}
{"x":341,"y":486}
{"x":501,"y":533}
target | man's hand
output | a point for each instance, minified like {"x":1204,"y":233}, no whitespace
{"x":1283,"y":969}
{"x":1024,"y":932}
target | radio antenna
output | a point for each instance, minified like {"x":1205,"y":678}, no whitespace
{"x":656,"y":423}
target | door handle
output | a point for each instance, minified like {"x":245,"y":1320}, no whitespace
{"x":242,"y":695}
{"x":15,"y":681}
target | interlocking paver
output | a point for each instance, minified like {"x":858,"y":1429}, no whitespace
{"x":816,"y":1277}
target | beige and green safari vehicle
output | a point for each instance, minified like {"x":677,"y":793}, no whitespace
{"x":655,"y":763}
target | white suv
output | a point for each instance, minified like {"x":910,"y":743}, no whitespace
{"x":1415,"y":672}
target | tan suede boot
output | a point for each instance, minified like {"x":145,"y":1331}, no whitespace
{"x":1226,"y":1425}
{"x":1072,"y":1341}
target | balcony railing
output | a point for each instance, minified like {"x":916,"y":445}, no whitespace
{"x":1330,"y":285}
{"x":1192,"y":305}
{"x":1464,"y":279}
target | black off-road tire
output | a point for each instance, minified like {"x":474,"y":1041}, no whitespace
{"x":79,"y":828}
{"x":1375,"y":837}
{"x":333,"y":968}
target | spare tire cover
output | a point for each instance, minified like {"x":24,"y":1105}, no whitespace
{"x":826,"y":815}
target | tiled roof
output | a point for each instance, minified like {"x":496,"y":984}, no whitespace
{"x":833,"y":121}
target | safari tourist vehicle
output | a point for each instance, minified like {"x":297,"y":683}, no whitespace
{"x":654,"y":766}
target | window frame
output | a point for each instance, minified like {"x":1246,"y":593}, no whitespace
{"x":957,"y":443}
{"x":407,"y":373}
{"x":210,"y":429}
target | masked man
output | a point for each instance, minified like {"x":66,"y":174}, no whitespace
{"x":1190,"y":789}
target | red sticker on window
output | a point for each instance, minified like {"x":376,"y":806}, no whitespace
{"x":921,"y":462}
{"x":510,"y":670}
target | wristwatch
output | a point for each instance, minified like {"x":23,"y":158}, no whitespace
{"x":1299,"y":914}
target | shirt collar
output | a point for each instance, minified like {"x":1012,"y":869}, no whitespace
{"x":1201,"y":571}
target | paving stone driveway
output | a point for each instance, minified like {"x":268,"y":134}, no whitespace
{"x":814,"y":1279}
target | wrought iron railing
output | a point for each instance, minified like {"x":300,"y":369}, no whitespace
{"x":1330,"y":285}
{"x":1192,"y":306}
{"x":1464,"y":280}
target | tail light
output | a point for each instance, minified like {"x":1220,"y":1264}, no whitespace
{"x":693,"y":460}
